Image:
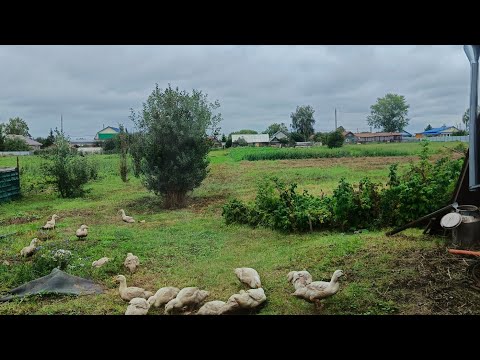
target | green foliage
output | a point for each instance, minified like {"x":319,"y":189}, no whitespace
{"x":466,"y":116}
{"x":335,"y":139}
{"x":54,"y":258}
{"x":244,"y":131}
{"x":2,"y":137}
{"x":461,"y":147}
{"x":135,"y":148}
{"x":274,"y":128}
{"x":240,"y":142}
{"x":302,"y":120}
{"x":224,"y":138}
{"x":66,"y":170}
{"x":268,"y":153}
{"x":174,"y":151}
{"x":278,"y":206}
{"x":320,"y":137}
{"x":15,"y":144}
{"x":422,"y":189}
{"x":296,"y":137}
{"x":389,"y":113}
{"x":236,"y":212}
{"x":229,"y":142}
{"x":17,"y":126}
{"x":122,"y":145}
{"x":110,"y":146}
{"x":429,"y":127}
{"x":49,"y":140}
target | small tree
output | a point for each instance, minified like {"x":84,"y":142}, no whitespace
{"x":229,"y":142}
{"x":242,"y":142}
{"x":66,"y":170}
{"x":389,"y":113}
{"x":17,"y":126}
{"x":466,"y":117}
{"x":302,"y":120}
{"x":122,"y":144}
{"x":320,"y":137}
{"x":335,"y":139}
{"x":135,"y":148}
{"x":49,"y":140}
{"x":296,"y":137}
{"x":429,"y":127}
{"x":224,"y":138}
{"x":274,"y":128}
{"x":110,"y":146}
{"x":2,"y":138}
{"x":174,"y":151}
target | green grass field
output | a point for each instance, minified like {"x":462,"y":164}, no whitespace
{"x":317,"y":152}
{"x":194,"y":247}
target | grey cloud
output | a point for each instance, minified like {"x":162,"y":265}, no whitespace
{"x":256,"y":85}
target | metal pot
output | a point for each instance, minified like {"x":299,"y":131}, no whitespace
{"x":465,"y":226}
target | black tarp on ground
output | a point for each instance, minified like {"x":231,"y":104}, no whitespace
{"x":57,"y":282}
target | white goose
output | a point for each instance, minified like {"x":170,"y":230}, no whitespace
{"x":30,"y":249}
{"x":82,"y":232}
{"x":126,"y":218}
{"x":299,"y":278}
{"x":187,"y":298}
{"x":131,"y":262}
{"x":248,"y":276}
{"x":164,"y":295}
{"x":214,"y":307}
{"x":249,"y":299}
{"x":138,"y":306}
{"x":128,"y":293}
{"x":50,"y":223}
{"x":318,"y":290}
{"x":100,"y":262}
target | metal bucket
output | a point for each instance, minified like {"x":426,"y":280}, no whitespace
{"x":465,"y":226}
{"x":467,"y":234}
{"x":470,"y":210}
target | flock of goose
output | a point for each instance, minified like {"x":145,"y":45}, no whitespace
{"x":189,"y":299}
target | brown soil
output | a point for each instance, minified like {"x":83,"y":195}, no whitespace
{"x":441,"y":283}
{"x":19,"y":220}
{"x":200,"y":204}
{"x":359,"y":163}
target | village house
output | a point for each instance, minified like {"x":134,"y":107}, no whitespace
{"x":349,"y":137}
{"x":369,"y":137}
{"x":216,"y":144}
{"x":277,"y":139}
{"x":107,"y":133}
{"x":440,"y":131}
{"x":34,"y":145}
{"x":252,"y":139}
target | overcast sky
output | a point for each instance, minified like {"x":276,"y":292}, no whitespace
{"x":256,"y":85}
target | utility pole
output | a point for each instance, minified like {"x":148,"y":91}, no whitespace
{"x":335,"y":119}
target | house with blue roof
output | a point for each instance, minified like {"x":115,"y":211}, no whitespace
{"x":440,"y":131}
{"x":107,"y":133}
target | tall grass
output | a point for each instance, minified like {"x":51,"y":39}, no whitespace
{"x":373,"y":150}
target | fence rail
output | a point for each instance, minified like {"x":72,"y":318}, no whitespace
{"x":438,"y":138}
{"x":15,"y":153}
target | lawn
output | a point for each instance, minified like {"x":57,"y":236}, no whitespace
{"x":347,"y":151}
{"x":404,"y":274}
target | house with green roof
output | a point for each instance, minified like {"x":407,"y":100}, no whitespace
{"x":107,"y":133}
